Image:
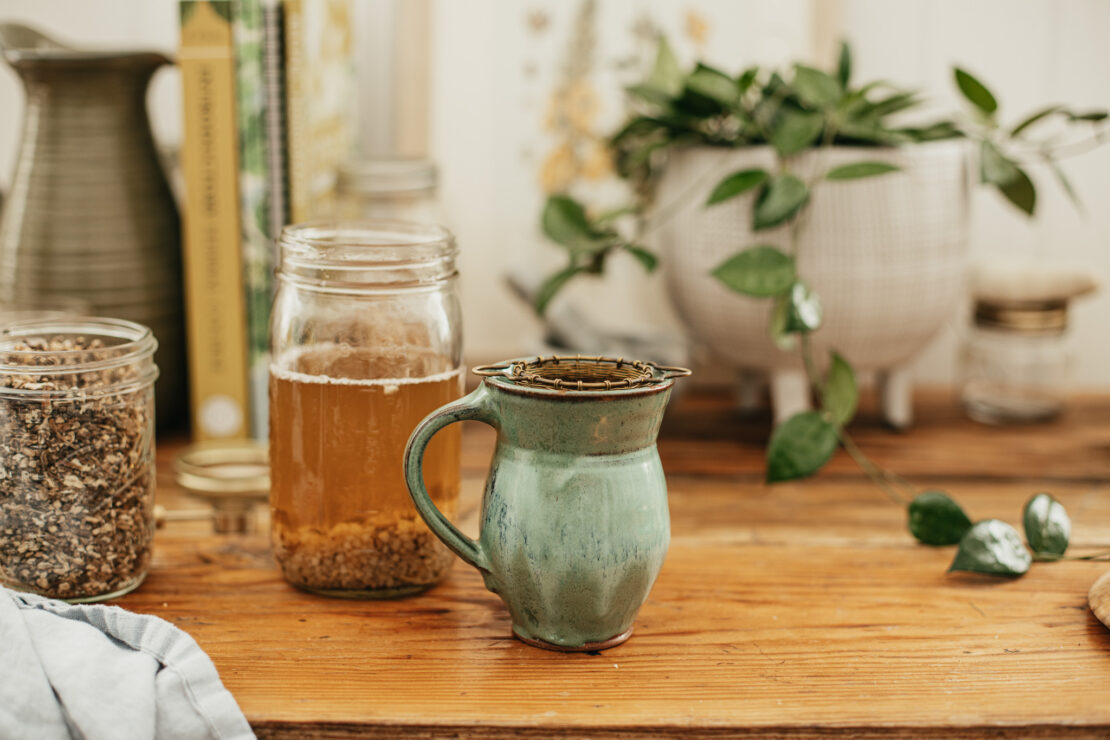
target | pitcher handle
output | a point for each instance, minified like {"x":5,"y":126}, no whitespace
{"x":474,"y":407}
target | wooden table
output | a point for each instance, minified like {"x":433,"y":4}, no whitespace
{"x":798,"y":610}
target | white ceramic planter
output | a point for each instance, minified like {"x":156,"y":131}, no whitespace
{"x":887,"y":255}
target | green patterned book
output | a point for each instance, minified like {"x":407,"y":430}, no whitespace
{"x":256,"y":202}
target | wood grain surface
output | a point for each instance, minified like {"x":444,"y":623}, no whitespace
{"x":798,"y":610}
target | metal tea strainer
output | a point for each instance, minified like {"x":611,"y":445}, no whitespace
{"x":580,"y":373}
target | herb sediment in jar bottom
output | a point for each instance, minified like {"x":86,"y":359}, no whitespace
{"x":76,"y":483}
{"x":382,"y":552}
{"x":341,"y":516}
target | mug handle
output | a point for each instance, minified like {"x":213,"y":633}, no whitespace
{"x":474,"y":407}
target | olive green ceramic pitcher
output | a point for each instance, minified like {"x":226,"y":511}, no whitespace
{"x":574,"y":522}
{"x":90,"y":218}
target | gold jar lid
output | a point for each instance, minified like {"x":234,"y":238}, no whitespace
{"x":1020,"y":317}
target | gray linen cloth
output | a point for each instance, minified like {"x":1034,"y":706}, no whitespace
{"x":97,"y":672}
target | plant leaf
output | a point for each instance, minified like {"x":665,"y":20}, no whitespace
{"x":645,"y":258}
{"x":736,"y":183}
{"x":840,"y":395}
{"x":745,"y":80}
{"x":993,"y":547}
{"x":1038,"y":116}
{"x":650,"y":94}
{"x":665,"y":75}
{"x":613,"y":214}
{"x":553,"y":284}
{"x":800,"y":446}
{"x":1021,"y":192}
{"x":893,"y":104}
{"x":565,"y":221}
{"x":816,"y":89}
{"x":935,"y":519}
{"x":713,"y":84}
{"x":780,"y":199}
{"x":994,"y":167}
{"x":976,"y":92}
{"x":858,"y":170}
{"x":1065,"y":183}
{"x":760,"y":271}
{"x":640,"y":126}
{"x":844,"y":65}
{"x":1047,"y":526}
{"x":1093,"y":116}
{"x":780,"y":313}
{"x":796,"y":130}
{"x":805,"y":310}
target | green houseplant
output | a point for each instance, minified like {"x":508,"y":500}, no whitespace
{"x":797,"y":114}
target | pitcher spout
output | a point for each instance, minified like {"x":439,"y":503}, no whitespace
{"x":25,"y":48}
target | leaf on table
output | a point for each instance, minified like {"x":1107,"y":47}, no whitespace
{"x":760,"y":271}
{"x":782,"y":196}
{"x":992,"y":547}
{"x":1047,"y":526}
{"x":735,"y":184}
{"x":975,"y":92}
{"x":840,"y":395}
{"x":935,"y":519}
{"x":858,"y":170}
{"x":800,"y":446}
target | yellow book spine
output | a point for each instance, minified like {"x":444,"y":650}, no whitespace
{"x":296,"y":116}
{"x":214,"y":299}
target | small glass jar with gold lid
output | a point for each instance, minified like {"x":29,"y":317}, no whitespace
{"x":1016,"y":358}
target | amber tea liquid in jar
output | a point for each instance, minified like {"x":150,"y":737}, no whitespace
{"x":365,"y":341}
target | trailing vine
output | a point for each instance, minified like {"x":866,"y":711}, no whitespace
{"x":816,"y":110}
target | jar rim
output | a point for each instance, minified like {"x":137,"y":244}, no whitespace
{"x":368,"y":238}
{"x":135,"y":343}
{"x":357,"y":255}
{"x":385,"y":176}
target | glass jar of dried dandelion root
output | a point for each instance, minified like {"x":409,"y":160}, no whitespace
{"x":366,"y":341}
{"x":76,"y":457}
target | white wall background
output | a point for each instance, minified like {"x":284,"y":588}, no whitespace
{"x":495,"y":62}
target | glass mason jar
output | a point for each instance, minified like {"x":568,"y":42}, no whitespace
{"x":1015,"y":362}
{"x":402,"y":189}
{"x":365,"y":341}
{"x":76,"y":457}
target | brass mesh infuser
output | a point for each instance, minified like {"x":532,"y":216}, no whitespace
{"x":580,"y":373}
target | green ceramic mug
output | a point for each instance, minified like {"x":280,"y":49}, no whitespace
{"x":574,"y":522}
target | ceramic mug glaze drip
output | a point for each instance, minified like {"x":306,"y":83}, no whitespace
{"x":574,"y":522}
